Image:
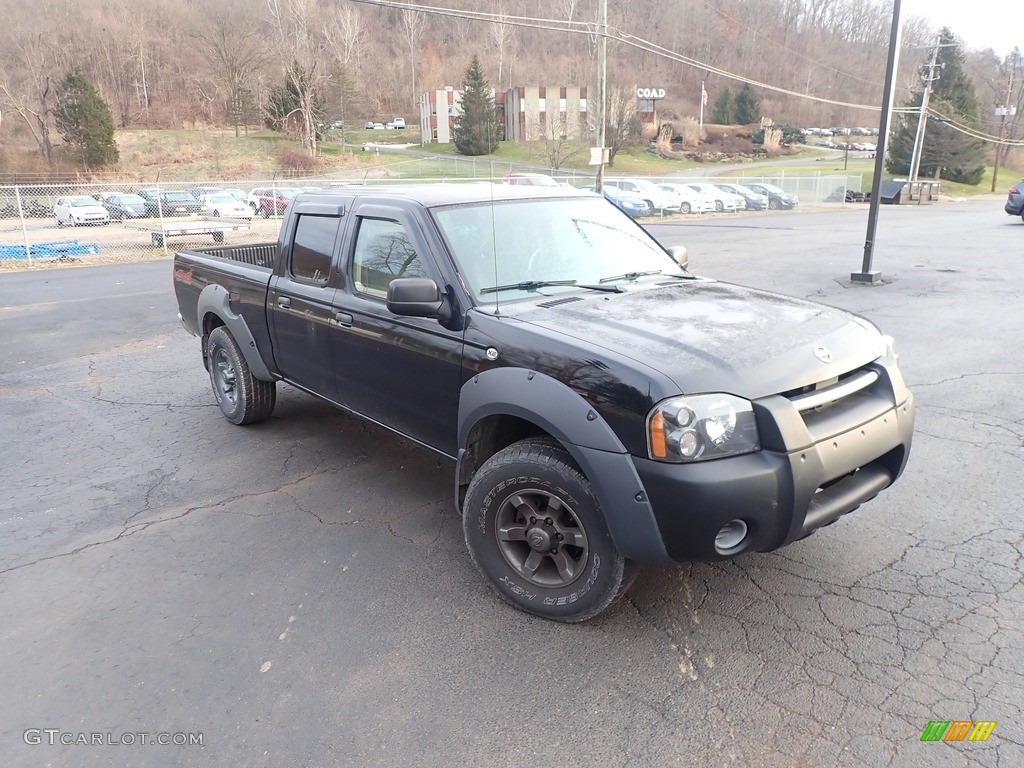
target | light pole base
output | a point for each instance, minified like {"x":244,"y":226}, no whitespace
{"x":866,"y":278}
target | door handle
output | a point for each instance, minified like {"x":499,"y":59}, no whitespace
{"x":344,"y":318}
{"x":284,"y":302}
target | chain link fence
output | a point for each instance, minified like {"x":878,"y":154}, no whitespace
{"x":43,"y":224}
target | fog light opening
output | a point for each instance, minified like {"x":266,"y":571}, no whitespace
{"x":731,"y":538}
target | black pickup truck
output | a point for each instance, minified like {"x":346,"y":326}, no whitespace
{"x":603,"y":406}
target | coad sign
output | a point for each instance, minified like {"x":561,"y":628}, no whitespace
{"x":650,"y":93}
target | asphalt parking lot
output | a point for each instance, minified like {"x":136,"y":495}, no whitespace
{"x":297,"y":593}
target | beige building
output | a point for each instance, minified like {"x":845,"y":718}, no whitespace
{"x":527,"y":112}
{"x":535,"y":112}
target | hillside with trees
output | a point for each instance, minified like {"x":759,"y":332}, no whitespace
{"x":296,"y":64}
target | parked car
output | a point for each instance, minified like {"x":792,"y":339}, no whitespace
{"x":690,"y":200}
{"x":159,"y":203}
{"x":777,"y":198}
{"x":752,"y":201}
{"x":629,"y":203}
{"x":529,"y":179}
{"x":657,"y":198}
{"x":36,"y":210}
{"x":724,"y":201}
{"x":79,"y":210}
{"x":222,"y":205}
{"x":122,"y":206}
{"x":398,"y":122}
{"x":270,"y":200}
{"x":1015,"y":200}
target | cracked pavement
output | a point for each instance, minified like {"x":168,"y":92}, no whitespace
{"x":298,"y":591}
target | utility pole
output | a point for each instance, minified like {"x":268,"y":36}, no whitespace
{"x":922,"y":118}
{"x":1003,"y":111}
{"x":602,"y":90}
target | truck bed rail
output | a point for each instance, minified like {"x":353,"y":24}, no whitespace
{"x":258,"y":255}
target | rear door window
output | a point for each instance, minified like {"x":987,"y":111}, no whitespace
{"x":313,"y":248}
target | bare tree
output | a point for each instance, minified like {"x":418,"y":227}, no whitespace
{"x":501,"y":35}
{"x":35,"y":54}
{"x":303,"y":52}
{"x":232,"y":42}
{"x":412,"y":24}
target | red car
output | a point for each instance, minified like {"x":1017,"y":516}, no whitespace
{"x":270,"y":200}
{"x":530,"y":180}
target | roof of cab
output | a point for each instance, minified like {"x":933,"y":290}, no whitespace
{"x":431,"y":195}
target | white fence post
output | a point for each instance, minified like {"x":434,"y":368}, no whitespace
{"x":24,"y":229}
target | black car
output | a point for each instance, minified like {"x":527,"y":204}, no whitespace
{"x":755,"y":201}
{"x":123,"y":206}
{"x":170,"y":203}
{"x":1015,"y":200}
{"x":778,"y":199}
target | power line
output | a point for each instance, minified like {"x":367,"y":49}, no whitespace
{"x":587,"y":28}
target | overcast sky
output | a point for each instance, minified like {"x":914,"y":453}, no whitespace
{"x":998,"y":24}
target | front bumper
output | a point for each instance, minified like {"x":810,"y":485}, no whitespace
{"x":796,"y":484}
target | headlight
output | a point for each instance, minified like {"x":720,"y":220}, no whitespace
{"x":701,"y":427}
{"x":889,"y":347}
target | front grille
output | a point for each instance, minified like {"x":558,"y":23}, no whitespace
{"x":832,"y":391}
{"x":835,"y":405}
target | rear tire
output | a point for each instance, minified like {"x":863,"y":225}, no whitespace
{"x":242,"y":398}
{"x":536,"y":531}
{"x":719,"y":206}
{"x":685,"y":208}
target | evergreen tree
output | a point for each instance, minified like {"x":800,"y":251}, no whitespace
{"x":476,"y":129}
{"x":946,"y":151}
{"x":724,"y":111}
{"x":748,"y":106}
{"x":84,"y":120}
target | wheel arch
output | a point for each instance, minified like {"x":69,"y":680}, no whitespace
{"x":214,"y":310}
{"x":505,"y":405}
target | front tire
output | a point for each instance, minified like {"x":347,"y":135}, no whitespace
{"x":719,"y":206}
{"x":685,"y":208}
{"x":536,"y":531}
{"x":774,"y":205}
{"x":242,"y":398}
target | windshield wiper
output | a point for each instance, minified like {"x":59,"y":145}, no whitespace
{"x":629,"y":276}
{"x":526,"y":285}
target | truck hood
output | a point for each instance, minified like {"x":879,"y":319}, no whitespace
{"x":708,"y":336}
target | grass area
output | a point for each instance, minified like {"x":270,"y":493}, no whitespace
{"x":177,"y":155}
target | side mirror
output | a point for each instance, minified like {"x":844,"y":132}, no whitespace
{"x":679,"y":255}
{"x":416,"y":297}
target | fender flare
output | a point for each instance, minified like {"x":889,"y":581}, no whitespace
{"x":216,"y":300}
{"x":566,"y":416}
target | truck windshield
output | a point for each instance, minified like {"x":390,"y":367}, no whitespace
{"x":547,"y":245}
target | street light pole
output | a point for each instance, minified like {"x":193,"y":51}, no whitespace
{"x":868,"y":276}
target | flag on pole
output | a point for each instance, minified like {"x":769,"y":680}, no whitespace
{"x":703,"y":96}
